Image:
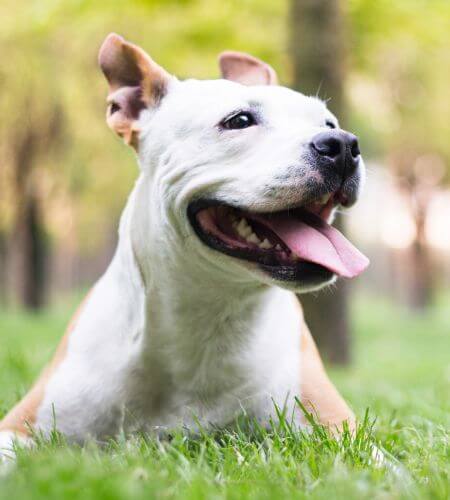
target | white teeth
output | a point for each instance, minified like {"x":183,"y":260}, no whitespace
{"x":243,"y":229}
{"x":265,"y":244}
{"x":278,"y":247}
{"x":253,"y":239}
{"x":242,"y":224}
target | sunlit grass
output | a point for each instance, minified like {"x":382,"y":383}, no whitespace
{"x":400,"y":371}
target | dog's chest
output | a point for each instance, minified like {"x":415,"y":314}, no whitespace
{"x":211,"y":371}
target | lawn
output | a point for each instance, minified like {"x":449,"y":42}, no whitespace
{"x":401,"y":373}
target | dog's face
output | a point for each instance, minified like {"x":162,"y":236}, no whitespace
{"x":247,"y":171}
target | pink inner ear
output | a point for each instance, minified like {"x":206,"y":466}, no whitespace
{"x":127,"y":100}
{"x":245,"y":69}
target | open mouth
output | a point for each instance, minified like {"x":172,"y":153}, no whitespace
{"x":290,"y":245}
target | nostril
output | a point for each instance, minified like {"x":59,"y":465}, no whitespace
{"x":354,"y":149}
{"x":329,"y":146}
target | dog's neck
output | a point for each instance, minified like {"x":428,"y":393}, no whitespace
{"x":176,"y":289}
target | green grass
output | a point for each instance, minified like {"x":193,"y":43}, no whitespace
{"x":401,"y":372}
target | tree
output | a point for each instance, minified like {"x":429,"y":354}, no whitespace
{"x":400,"y":60}
{"x":318,"y":54}
{"x":27,"y":253}
{"x":31,"y":140}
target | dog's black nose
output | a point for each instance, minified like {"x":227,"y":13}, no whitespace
{"x":339,"y":148}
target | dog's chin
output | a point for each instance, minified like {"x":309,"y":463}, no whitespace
{"x":248,"y":240}
{"x":301,"y":278}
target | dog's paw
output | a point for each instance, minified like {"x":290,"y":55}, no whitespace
{"x":7,"y":448}
{"x":9,"y":441}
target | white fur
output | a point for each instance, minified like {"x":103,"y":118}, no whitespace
{"x":176,"y":331}
{"x":9,"y":441}
{"x":7,"y":446}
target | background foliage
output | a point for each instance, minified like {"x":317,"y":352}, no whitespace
{"x":64,"y":179}
{"x":397,"y":73}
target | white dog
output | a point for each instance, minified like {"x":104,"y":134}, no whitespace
{"x":195,"y":318}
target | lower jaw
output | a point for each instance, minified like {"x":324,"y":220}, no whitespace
{"x":304,"y":273}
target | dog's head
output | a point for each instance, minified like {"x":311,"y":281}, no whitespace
{"x":245,"y":174}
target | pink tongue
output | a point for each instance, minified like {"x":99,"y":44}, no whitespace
{"x":312,"y":239}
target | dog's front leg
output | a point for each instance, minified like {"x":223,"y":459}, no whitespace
{"x":318,"y":394}
{"x":16,"y":426}
{"x":67,"y":398}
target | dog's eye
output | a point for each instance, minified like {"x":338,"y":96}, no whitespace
{"x":243,"y":119}
{"x":330,"y":124}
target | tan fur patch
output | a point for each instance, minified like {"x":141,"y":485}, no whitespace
{"x":319,"y":396}
{"x":23,"y":415}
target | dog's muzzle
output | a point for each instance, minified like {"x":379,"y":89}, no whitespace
{"x":298,"y":243}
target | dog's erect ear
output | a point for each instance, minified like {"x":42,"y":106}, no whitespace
{"x":135,"y":82}
{"x":246,"y":69}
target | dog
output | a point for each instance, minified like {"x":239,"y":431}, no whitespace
{"x":196,"y":319}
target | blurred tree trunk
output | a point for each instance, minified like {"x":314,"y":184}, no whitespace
{"x":27,"y":249}
{"x":421,"y":290}
{"x":419,"y":191}
{"x":318,"y":55}
{"x":29,"y":253}
{"x":3,"y":286}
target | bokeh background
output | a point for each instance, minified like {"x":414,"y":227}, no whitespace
{"x":383,"y":66}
